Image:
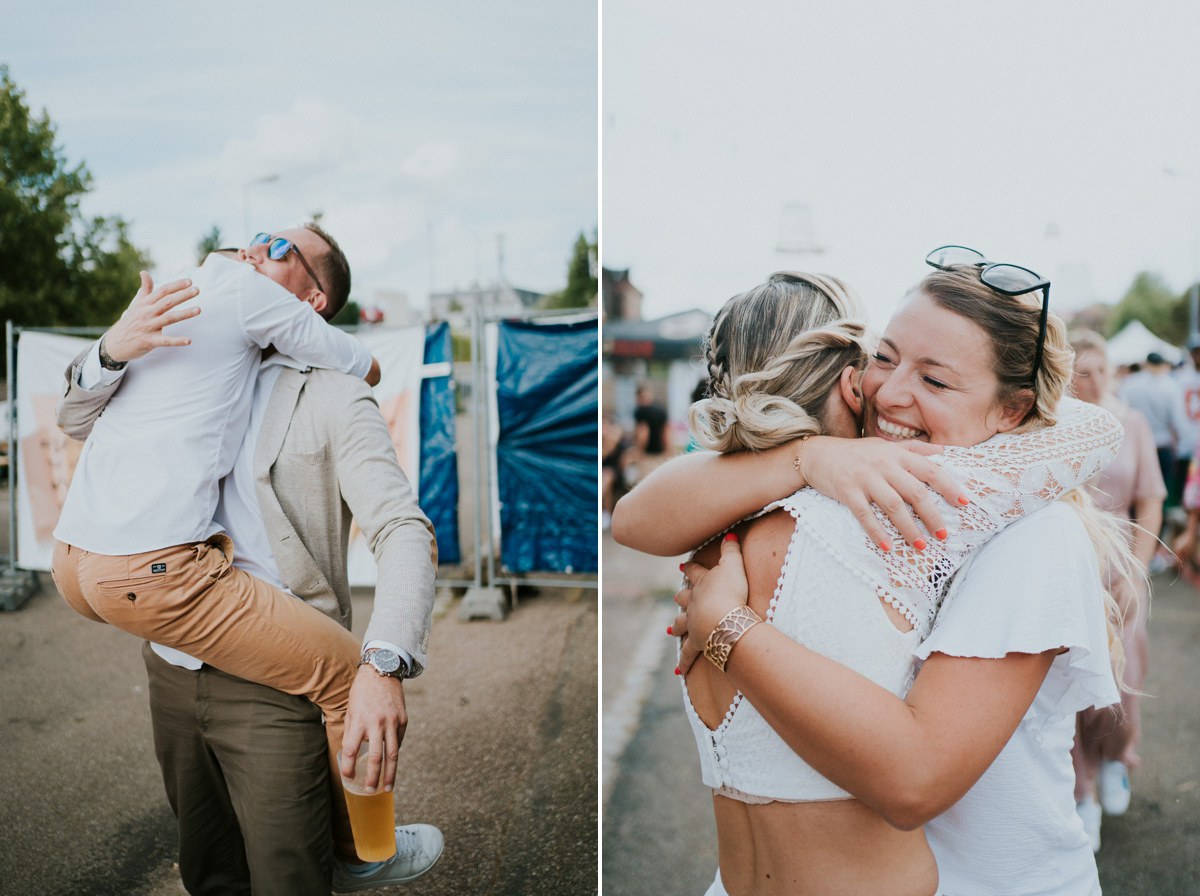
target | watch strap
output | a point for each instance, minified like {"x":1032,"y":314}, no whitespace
{"x":106,"y":360}
{"x":400,"y":672}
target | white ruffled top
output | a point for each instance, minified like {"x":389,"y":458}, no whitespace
{"x":1016,"y":831}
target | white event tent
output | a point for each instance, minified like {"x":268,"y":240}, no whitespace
{"x":1135,"y":342}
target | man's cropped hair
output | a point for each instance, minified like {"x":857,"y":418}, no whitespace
{"x":335,"y":272}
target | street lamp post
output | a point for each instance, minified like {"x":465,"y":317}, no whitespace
{"x":266,"y":179}
{"x":1194,"y":292}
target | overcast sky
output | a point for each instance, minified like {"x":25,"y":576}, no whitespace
{"x":1038,"y":132}
{"x":420,"y":130}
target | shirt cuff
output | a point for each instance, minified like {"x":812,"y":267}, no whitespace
{"x":363,"y":365}
{"x":90,"y":375}
{"x":399,"y":651}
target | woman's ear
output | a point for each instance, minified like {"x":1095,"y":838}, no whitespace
{"x":850,"y":385}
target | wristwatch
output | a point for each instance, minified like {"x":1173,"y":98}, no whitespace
{"x":106,"y":360}
{"x":386,"y":662}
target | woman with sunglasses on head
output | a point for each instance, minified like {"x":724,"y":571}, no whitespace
{"x":137,"y":544}
{"x":842,"y":720}
{"x":1132,"y":489}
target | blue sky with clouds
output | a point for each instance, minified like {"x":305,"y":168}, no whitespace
{"x":421,"y":131}
{"x":1036,"y":132}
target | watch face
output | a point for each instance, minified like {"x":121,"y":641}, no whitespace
{"x":385,"y":661}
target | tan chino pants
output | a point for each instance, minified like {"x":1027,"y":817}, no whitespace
{"x":192,"y":598}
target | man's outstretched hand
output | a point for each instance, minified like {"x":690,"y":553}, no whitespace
{"x":140,"y":328}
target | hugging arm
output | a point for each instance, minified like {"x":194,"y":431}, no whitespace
{"x":908,"y":759}
{"x":667,"y":514}
{"x":688,"y":500}
{"x":79,"y":407}
{"x":400,"y":536}
{"x":138,"y":332}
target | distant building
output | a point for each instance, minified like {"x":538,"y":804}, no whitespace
{"x":675,"y":337}
{"x":501,"y":297}
{"x":622,"y":300}
{"x":663,"y":353}
{"x":390,"y":307}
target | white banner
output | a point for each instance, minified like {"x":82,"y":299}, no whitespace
{"x":401,"y":355}
{"x":45,"y":458}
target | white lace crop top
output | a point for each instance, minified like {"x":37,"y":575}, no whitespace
{"x":828,"y":595}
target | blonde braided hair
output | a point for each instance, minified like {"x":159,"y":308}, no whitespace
{"x":774,"y":355}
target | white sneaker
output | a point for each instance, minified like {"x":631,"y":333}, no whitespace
{"x":1089,"y":812}
{"x":1114,"y":787}
{"x":418,"y":847}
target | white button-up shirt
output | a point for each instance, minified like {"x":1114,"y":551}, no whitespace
{"x":148,"y":475}
{"x":238,"y":511}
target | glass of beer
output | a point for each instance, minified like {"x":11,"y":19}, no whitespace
{"x":372,"y":816}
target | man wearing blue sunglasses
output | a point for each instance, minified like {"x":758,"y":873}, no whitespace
{"x":242,"y":762}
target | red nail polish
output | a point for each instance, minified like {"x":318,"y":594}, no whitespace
{"x":919,"y":544}
{"x":681,"y":567}
{"x":729,"y":536}
{"x":677,"y":670}
{"x":885,"y":545}
{"x":941,"y":533}
{"x":669,"y":632}
{"x":962,"y":499}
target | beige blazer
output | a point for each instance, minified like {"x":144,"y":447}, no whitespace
{"x":323,"y":457}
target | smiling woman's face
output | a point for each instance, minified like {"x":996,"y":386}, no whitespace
{"x":931,"y":379}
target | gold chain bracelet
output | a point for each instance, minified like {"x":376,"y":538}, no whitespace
{"x":732,"y":626}
{"x":798,"y":462}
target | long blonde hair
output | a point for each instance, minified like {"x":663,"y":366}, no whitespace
{"x":774,"y":355}
{"x":1012,"y":323}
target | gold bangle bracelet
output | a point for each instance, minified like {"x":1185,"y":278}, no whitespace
{"x":732,"y":626}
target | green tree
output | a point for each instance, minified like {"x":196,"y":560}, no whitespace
{"x":210,"y":242}
{"x":57,"y":268}
{"x":582,"y":285}
{"x":348,"y":316}
{"x":1151,"y":301}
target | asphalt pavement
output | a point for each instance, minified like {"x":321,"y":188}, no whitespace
{"x":500,"y":753}
{"x":658,"y":835}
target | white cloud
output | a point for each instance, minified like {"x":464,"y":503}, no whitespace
{"x":370,"y":232}
{"x":430,"y":161}
{"x":311,"y":135}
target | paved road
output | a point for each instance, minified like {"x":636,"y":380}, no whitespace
{"x":658,"y":835}
{"x":500,"y":753}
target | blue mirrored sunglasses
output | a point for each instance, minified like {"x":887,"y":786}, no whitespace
{"x":278,"y":248}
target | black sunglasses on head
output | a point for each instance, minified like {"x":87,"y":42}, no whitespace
{"x":1007,"y":279}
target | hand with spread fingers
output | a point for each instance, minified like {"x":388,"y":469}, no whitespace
{"x":140,"y":329}
{"x":895,"y":477}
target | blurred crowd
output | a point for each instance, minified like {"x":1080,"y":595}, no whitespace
{"x":1167,"y":396}
{"x":628,"y":455}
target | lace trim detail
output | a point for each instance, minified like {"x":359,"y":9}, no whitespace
{"x":1007,"y":477}
{"x":737,"y":697}
{"x":795,"y":508}
{"x":783,"y":573}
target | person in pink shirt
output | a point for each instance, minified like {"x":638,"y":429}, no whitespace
{"x":1132,"y":488}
